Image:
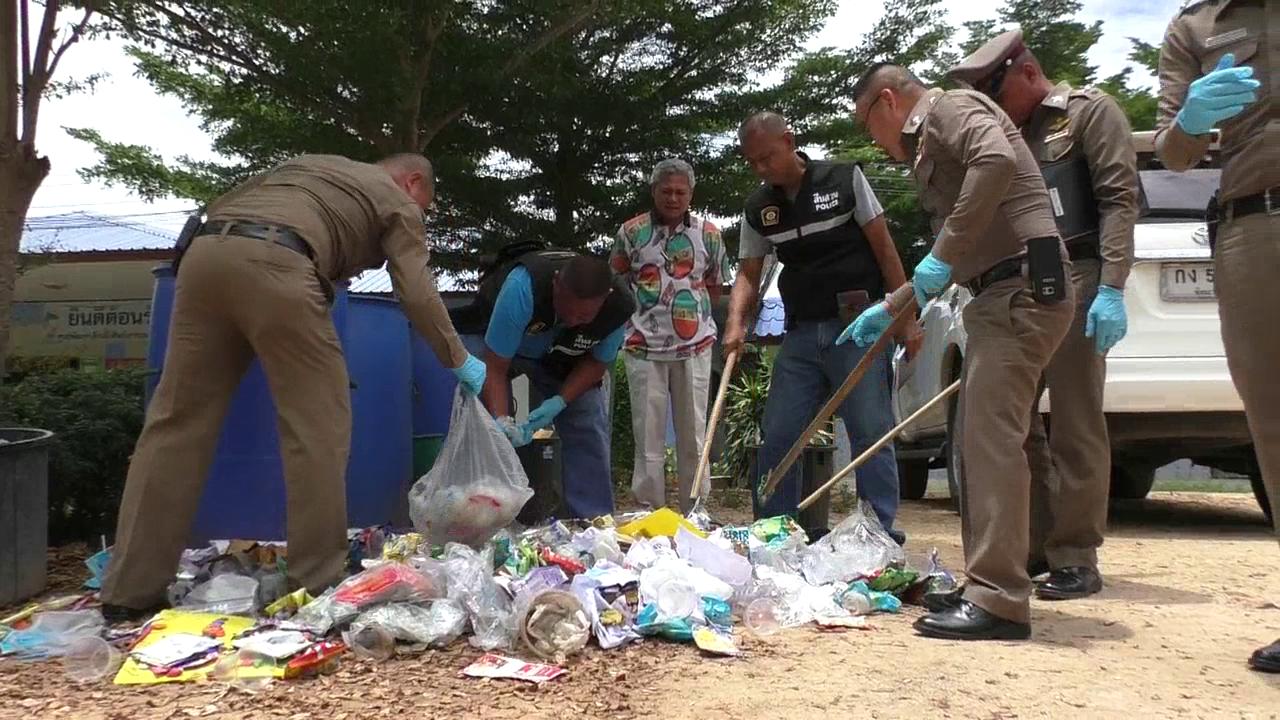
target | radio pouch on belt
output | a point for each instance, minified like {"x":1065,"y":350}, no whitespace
{"x":1211,"y":223}
{"x":189,"y":231}
{"x":1044,"y":264}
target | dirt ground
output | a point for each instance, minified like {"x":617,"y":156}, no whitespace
{"x":1193,"y":586}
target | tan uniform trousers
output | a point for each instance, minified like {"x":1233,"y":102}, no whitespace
{"x":236,"y":298}
{"x":682,"y":385}
{"x":1011,"y":339}
{"x":1245,"y":266}
{"x":1069,"y":495}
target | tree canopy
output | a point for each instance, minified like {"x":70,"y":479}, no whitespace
{"x":543,"y":117}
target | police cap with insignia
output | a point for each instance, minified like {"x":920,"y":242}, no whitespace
{"x":985,"y":69}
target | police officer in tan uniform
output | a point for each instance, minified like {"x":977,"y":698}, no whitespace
{"x":1083,"y":142}
{"x":996,"y":235}
{"x":257,"y":280}
{"x":1218,"y":69}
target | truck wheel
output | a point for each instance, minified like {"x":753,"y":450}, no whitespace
{"x":913,"y":479}
{"x":1260,"y":492}
{"x":1131,"y":482}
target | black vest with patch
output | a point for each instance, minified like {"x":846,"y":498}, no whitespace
{"x":822,"y":248}
{"x":572,"y":342}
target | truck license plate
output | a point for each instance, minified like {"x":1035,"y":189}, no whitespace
{"x":1186,"y":282}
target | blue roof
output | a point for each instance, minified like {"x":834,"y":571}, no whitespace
{"x":86,"y":232}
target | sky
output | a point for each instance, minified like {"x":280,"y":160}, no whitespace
{"x":124,"y":108}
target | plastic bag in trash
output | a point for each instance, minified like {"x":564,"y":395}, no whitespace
{"x":873,"y":600}
{"x":436,"y":625}
{"x":52,"y":633}
{"x":599,"y":545}
{"x":717,"y":612}
{"x":476,"y":485}
{"x":784,"y":554}
{"x":226,"y":594}
{"x":857,"y":548}
{"x":386,"y":583}
{"x":724,"y":564}
{"x":612,"y":624}
{"x":704,"y":584}
{"x":645,"y":552}
{"x":649,"y":623}
{"x":471,"y":584}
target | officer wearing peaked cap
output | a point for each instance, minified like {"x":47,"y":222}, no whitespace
{"x":1218,"y":70}
{"x":1082,"y":141}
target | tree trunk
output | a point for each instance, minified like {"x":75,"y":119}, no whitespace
{"x":21,"y":172}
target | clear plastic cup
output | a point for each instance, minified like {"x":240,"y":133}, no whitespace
{"x":761,"y":617}
{"x":372,"y":642}
{"x":90,"y":660}
{"x":244,"y":670}
{"x":677,"y":599}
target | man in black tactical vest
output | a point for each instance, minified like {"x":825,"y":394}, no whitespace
{"x":1082,"y":140}
{"x":828,"y":230}
{"x":557,"y":318}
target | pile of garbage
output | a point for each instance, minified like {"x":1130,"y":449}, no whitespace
{"x":545,"y":592}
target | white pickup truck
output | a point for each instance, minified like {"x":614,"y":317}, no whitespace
{"x":1168,"y":393}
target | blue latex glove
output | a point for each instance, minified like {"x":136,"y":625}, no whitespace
{"x":471,"y":374}
{"x":1220,"y":95}
{"x":544,"y":414}
{"x":514,"y":432}
{"x":930,"y":277}
{"x":867,"y":327}
{"x":1106,"y":323}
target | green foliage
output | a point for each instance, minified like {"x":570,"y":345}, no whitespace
{"x":543,"y":116}
{"x":1139,"y":102}
{"x":96,"y":417}
{"x":912,"y":33}
{"x":623,"y":444}
{"x":1146,"y":55}
{"x":743,"y":416}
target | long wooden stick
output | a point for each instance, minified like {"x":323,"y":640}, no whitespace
{"x":888,"y":438}
{"x":825,"y":412}
{"x":704,"y":462}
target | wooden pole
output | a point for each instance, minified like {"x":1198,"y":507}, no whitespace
{"x":704,"y":462}
{"x":888,"y":438}
{"x":825,"y":412}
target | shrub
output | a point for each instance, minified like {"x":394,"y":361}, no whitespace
{"x":96,"y":417}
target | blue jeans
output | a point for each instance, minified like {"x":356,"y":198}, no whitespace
{"x":808,"y":369}
{"x":584,"y":431}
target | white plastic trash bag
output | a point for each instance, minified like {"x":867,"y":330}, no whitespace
{"x":476,"y":485}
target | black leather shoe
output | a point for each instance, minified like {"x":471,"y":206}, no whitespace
{"x":1036,"y":568}
{"x":1070,"y":584}
{"x":943,"y":601}
{"x":1266,"y":659}
{"x":119,"y":614}
{"x":967,"y":621}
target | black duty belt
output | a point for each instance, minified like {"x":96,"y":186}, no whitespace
{"x":1267,"y":201}
{"x":1002,"y":270}
{"x":1087,"y":250}
{"x":258,"y":231}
